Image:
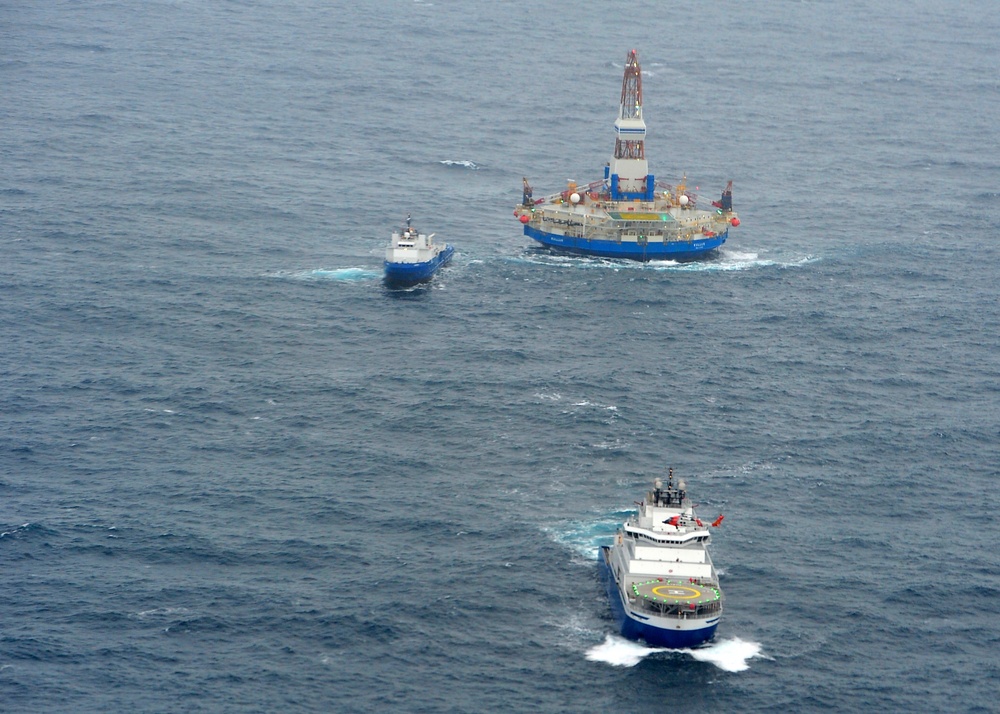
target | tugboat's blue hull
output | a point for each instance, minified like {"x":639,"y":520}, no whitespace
{"x":412,"y":273}
{"x":635,"y":629}
{"x":676,"y":250}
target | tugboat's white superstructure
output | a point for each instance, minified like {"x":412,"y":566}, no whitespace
{"x":413,"y":257}
{"x":660,"y":579}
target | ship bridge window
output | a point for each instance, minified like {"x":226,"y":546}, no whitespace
{"x":652,"y":539}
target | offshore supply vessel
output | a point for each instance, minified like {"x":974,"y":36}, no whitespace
{"x":413,"y":257}
{"x":661,"y":583}
{"x":628,"y":214}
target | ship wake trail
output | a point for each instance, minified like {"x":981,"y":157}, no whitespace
{"x":734,"y":261}
{"x":347,"y":275}
{"x":586,"y":537}
{"x":726,"y":261}
{"x":728,"y":655}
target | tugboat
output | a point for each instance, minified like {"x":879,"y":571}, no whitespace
{"x":413,"y":257}
{"x":628,"y":214}
{"x":661,"y":582}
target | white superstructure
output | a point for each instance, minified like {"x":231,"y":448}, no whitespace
{"x":410,"y":246}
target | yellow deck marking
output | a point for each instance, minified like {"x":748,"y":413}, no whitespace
{"x":672,"y":592}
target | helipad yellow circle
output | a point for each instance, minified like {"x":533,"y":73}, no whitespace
{"x":676,"y":592}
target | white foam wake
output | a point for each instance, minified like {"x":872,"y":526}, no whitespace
{"x":344,"y":274}
{"x":728,"y":655}
{"x":349,"y":275}
{"x":586,"y":537}
{"x":620,"y":652}
{"x":727,"y":260}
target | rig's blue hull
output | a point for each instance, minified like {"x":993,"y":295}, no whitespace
{"x":412,"y":273}
{"x":634,"y":629}
{"x":676,"y":250}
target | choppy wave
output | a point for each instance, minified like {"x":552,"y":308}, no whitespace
{"x":16,"y":531}
{"x":472,"y":165}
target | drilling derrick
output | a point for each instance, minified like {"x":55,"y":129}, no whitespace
{"x":630,"y":146}
{"x":628,"y":169}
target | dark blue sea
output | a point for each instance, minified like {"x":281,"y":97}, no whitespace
{"x":239,"y":474}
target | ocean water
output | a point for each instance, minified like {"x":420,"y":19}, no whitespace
{"x":237,"y":473}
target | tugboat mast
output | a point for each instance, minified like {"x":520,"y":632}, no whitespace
{"x":628,"y":170}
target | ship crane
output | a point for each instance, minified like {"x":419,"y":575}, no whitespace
{"x":526,"y":199}
{"x":725,"y":205}
{"x":726,"y":202}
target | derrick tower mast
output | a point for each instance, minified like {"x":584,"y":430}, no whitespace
{"x":628,"y":169}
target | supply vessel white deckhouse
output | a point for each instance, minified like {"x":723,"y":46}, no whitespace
{"x":627,"y":214}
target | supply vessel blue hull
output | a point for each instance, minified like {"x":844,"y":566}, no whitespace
{"x":402,"y":274}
